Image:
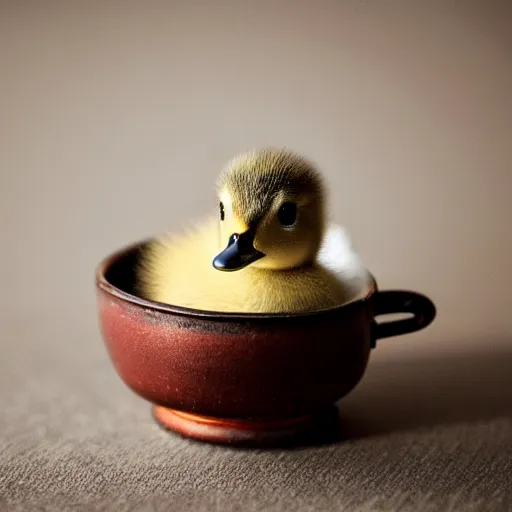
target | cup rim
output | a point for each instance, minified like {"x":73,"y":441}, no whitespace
{"x":103,"y":284}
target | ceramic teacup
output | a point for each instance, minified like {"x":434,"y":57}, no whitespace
{"x":235,"y":378}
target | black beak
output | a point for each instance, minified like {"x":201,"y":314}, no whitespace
{"x":239,"y":253}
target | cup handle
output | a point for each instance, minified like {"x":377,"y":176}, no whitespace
{"x":400,"y":301}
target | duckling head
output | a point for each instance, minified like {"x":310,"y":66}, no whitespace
{"x":271,"y":211}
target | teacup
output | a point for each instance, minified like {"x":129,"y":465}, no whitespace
{"x":242,"y":378}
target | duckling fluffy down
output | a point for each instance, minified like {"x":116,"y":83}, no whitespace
{"x":177,"y":270}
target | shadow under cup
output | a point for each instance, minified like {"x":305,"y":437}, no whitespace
{"x":242,"y":378}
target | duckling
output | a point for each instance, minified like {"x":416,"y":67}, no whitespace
{"x":281,"y":255}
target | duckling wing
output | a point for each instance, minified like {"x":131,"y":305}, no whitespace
{"x":338,"y":255}
{"x":337,"y":250}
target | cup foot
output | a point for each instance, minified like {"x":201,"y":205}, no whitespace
{"x":240,"y":432}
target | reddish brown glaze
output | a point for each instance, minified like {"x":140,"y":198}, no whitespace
{"x":262,"y":368}
{"x":258,"y":369}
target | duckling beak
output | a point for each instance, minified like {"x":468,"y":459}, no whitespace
{"x":239,"y":253}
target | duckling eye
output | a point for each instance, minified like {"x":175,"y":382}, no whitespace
{"x":221,"y":208}
{"x":287,"y":214}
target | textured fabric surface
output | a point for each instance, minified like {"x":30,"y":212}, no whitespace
{"x":419,"y":433}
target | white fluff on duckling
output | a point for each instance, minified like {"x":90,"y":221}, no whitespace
{"x":307,"y":267}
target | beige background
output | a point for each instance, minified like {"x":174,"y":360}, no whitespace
{"x":115,"y":118}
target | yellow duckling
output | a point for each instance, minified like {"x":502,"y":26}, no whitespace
{"x":281,"y":257}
